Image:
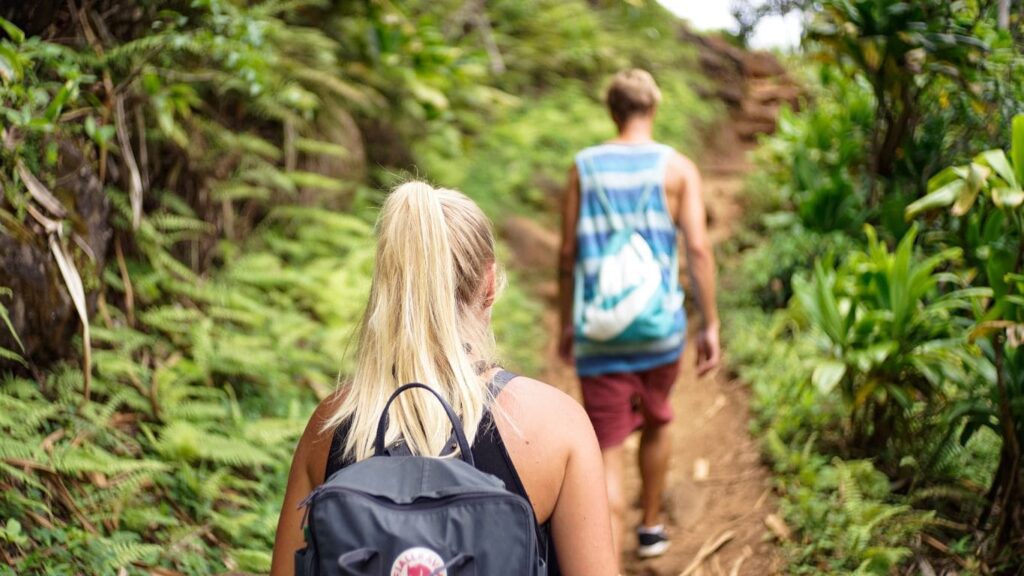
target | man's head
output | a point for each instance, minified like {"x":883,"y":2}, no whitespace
{"x":631,"y":94}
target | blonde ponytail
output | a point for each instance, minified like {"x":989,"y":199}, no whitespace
{"x":426,"y":321}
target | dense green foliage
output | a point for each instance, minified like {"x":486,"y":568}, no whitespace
{"x":890,"y":394}
{"x":231,"y":139}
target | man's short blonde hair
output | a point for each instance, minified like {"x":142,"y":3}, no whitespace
{"x":631,"y":93}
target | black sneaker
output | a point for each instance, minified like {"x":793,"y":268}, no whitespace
{"x":652,"y":541}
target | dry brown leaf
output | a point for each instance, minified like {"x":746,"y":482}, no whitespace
{"x":778,"y":527}
{"x":716,"y":566}
{"x":39,"y":192}
{"x":135,"y":177}
{"x":709,"y":548}
{"x":73,"y":282}
{"x":747,"y":553}
{"x":701,"y":469}
{"x":716,"y":406}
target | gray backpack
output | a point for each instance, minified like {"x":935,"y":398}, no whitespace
{"x":418,"y":516}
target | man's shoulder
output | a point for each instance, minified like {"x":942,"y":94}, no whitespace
{"x":680,"y":165}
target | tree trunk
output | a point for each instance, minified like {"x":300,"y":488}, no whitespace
{"x":1004,"y":14}
{"x":41,"y":311}
{"x":1007,"y":504}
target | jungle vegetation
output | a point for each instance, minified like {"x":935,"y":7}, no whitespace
{"x":187,"y":194}
{"x":882,"y":260}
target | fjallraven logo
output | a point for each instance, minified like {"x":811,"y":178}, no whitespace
{"x":418,"y":562}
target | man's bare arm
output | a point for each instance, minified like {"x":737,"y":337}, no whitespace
{"x":700,"y":257}
{"x":567,"y":262}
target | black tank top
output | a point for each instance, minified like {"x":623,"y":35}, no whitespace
{"x":490,"y":454}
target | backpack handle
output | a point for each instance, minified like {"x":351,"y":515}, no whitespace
{"x":460,"y":434}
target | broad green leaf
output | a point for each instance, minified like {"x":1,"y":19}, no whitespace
{"x":870,"y":52}
{"x":1017,"y":147}
{"x":59,"y":99}
{"x":827,"y":375}
{"x":826,"y":306}
{"x":1007,"y":197}
{"x":943,"y":196}
{"x":428,"y":94}
{"x":900,"y":396}
{"x":12,"y":31}
{"x":865,"y":392}
{"x":899,"y":8}
{"x":944,"y":177}
{"x":977,"y":174}
{"x":966,"y":294}
{"x":998,"y":265}
{"x":966,"y":200}
{"x":10,"y":68}
{"x":985,"y":329}
{"x":996,"y":159}
{"x":873,"y":356}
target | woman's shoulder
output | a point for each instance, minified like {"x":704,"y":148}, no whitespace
{"x":315,"y":444}
{"x":535,"y":407}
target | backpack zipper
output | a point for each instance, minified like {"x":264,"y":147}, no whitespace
{"x":308,"y":502}
{"x":323,"y":489}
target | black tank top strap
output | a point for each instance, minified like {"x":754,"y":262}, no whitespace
{"x":500,"y":380}
{"x":492,"y":457}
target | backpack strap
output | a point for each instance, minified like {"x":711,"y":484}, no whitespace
{"x":602,"y":197}
{"x":460,"y":434}
{"x":494,"y":387}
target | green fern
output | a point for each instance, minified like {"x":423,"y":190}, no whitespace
{"x":5,"y":322}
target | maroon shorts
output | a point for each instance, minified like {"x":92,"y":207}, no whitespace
{"x":620,"y":402}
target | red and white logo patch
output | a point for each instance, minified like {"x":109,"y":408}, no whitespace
{"x":418,"y":561}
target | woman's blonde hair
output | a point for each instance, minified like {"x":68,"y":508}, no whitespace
{"x":427,"y":321}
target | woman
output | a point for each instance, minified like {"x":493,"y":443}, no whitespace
{"x":428,"y":320}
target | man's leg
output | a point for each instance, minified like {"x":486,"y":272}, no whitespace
{"x":613,"y":462}
{"x":608,"y":401}
{"x":655,"y":449}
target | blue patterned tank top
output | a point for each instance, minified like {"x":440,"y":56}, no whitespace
{"x":624,"y":171}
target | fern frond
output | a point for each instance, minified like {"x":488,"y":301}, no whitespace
{"x":123,"y":54}
{"x":119,"y":554}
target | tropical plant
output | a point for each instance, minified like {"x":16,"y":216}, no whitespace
{"x":987,"y":196}
{"x":901,"y":49}
{"x":218,"y":293}
{"x":888,"y":339}
{"x":814,"y":162}
{"x":848,"y":525}
{"x":847,"y":515}
{"x":765,"y":275}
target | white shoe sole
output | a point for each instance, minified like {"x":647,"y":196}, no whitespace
{"x":653,"y":550}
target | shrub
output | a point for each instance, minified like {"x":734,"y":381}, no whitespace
{"x":889,"y":342}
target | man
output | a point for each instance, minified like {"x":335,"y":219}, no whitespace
{"x":626,"y":201}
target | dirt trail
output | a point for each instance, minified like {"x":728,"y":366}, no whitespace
{"x":710,"y":434}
